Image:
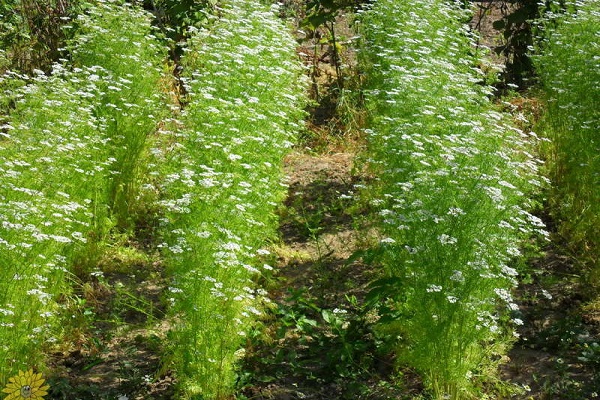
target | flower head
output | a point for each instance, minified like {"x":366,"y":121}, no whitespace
{"x":26,"y":385}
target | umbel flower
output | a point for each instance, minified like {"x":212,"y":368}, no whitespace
{"x":26,"y":385}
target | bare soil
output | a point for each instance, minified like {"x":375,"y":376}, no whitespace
{"x":299,"y":353}
{"x":557,"y":330}
{"x":115,"y":346}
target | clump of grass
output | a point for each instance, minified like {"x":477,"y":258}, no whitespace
{"x":568,"y":64}
{"x":453,"y":178}
{"x":222,"y":169}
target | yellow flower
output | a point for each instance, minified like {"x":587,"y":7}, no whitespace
{"x":26,"y":385}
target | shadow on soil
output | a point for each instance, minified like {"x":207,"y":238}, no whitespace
{"x":317,"y":340}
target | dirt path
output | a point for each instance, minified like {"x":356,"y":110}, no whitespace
{"x":558,"y":330}
{"x":115,"y":353}
{"x":316,"y":342}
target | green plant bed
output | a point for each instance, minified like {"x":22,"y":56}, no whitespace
{"x":62,"y":153}
{"x":222,"y":185}
{"x":567,"y":60}
{"x":452,"y":197}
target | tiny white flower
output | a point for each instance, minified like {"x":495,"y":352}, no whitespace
{"x":457,"y":276}
{"x":513,"y":251}
{"x":446,"y":239}
{"x":434,"y":288}
{"x":455,"y":211}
